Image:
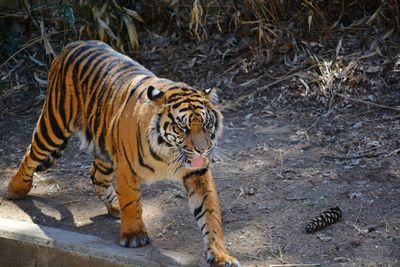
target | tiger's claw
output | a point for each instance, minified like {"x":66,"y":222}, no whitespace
{"x":221,"y":259}
{"x":134,"y":240}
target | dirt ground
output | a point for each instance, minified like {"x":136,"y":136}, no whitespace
{"x":285,"y":162}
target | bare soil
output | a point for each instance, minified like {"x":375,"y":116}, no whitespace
{"x":284,"y":165}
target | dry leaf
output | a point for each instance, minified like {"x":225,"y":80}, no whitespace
{"x":41,"y":82}
{"x":197,"y":13}
{"x":133,"y":14}
{"x":133,"y":37}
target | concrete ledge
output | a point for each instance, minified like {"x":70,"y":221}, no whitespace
{"x":27,"y":244}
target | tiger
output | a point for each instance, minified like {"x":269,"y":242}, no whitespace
{"x":139,"y":127}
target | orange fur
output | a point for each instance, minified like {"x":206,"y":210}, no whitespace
{"x":140,"y":128}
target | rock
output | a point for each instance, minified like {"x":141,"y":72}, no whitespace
{"x":324,"y":237}
{"x":338,"y":259}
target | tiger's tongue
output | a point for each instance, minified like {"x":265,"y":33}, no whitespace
{"x":197,"y":162}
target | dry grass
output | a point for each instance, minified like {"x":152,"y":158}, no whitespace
{"x":319,"y":36}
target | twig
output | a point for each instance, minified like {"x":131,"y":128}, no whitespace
{"x":168,"y":225}
{"x":396,"y":151}
{"x":369,"y":103}
{"x":219,"y":75}
{"x":29,"y":44}
{"x":358,"y":216}
{"x":295,"y":198}
{"x":223,"y":178}
{"x":275,"y":256}
{"x":383,"y":119}
{"x":354,"y":157}
{"x":313,"y":125}
{"x":70,"y":202}
{"x":255,"y":258}
{"x":279,"y":80}
{"x":368,"y":155}
{"x":295,"y":265}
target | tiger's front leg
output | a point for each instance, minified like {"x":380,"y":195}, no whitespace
{"x":204,"y":204}
{"x":133,"y":231}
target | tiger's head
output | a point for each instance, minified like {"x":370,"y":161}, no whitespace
{"x":187,"y":125}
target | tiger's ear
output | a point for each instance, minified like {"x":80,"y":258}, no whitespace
{"x":211,"y":95}
{"x":154,"y":94}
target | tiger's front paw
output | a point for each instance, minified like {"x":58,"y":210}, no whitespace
{"x":134,"y":240}
{"x":221,"y":259}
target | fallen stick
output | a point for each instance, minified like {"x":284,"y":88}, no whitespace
{"x":295,"y":265}
{"x":369,"y":103}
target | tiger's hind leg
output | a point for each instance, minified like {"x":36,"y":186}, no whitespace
{"x":101,"y":175}
{"x":47,"y":145}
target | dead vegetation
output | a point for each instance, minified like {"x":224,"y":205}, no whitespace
{"x":327,"y":48}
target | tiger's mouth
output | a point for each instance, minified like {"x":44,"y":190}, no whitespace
{"x":191,"y":160}
{"x":197,"y":162}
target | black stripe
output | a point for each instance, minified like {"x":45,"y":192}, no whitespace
{"x":127,"y":204}
{"x":56,"y":154}
{"x":106,"y":171}
{"x":54,"y":124}
{"x":73,"y":54}
{"x":216,"y":124}
{"x":171,"y":117}
{"x":70,"y":58}
{"x":140,"y":94}
{"x":119,"y":73}
{"x":94,"y":90}
{"x":40,"y":143}
{"x":77,"y":90}
{"x":199,"y":209}
{"x":100,"y":166}
{"x":184,"y":109}
{"x":38,"y":153}
{"x":62,"y":87}
{"x":195,"y":173}
{"x":109,"y":195}
{"x":129,"y":163}
{"x":88,"y":136}
{"x":176,"y":96}
{"x":206,"y":233}
{"x":35,"y":157}
{"x":137,"y":85}
{"x":161,"y":140}
{"x":204,"y":212}
{"x":88,"y":64}
{"x":54,"y":86}
{"x":192,"y":174}
{"x":44,"y":165}
{"x":174,"y":106}
{"x":112,"y":199}
{"x":202,"y":228}
{"x":140,"y":152}
{"x":153,"y":153}
{"x":45,"y":134}
{"x":99,"y":183}
{"x":98,"y":61}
